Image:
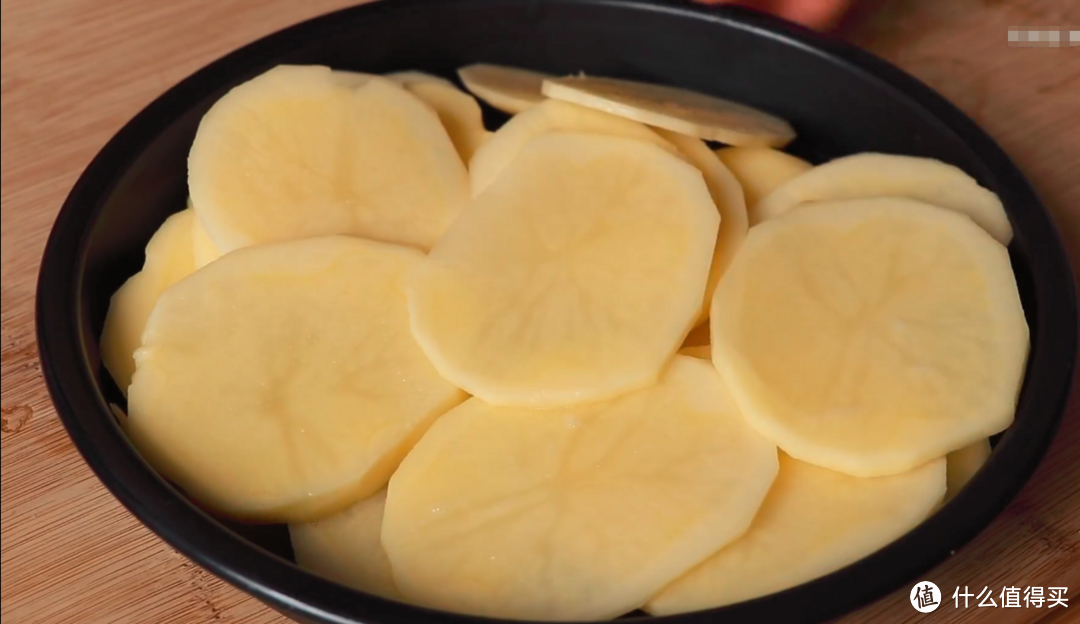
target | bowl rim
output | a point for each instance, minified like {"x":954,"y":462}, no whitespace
{"x":89,"y":422}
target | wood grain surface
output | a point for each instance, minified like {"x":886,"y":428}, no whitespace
{"x":75,"y":70}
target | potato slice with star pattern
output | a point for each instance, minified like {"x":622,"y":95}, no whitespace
{"x":871,"y":336}
{"x":545,"y":291}
{"x":574,"y":513}
{"x":302,"y":151}
{"x":280,"y":383}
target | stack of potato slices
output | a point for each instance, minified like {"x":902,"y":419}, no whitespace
{"x":583,"y":364}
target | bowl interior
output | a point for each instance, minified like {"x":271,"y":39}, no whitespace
{"x":839,"y":100}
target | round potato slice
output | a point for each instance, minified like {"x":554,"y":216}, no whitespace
{"x":679,"y":110}
{"x":280,"y":383}
{"x":168,"y":260}
{"x":727,"y":194}
{"x":458,"y":111}
{"x":298,"y":152}
{"x":500,"y":150}
{"x":964,"y":463}
{"x":761,"y":170}
{"x":871,"y":336}
{"x":347,"y":548}
{"x":878,"y":175}
{"x":573,"y":278}
{"x":509,"y":89}
{"x":814,"y":521}
{"x":577,"y":513}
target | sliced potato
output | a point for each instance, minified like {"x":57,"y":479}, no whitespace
{"x":168,"y":260}
{"x":814,"y":521}
{"x":509,"y":89}
{"x":412,"y":77}
{"x":544,"y":292}
{"x":458,"y":111}
{"x":679,"y":110}
{"x":500,"y":150}
{"x":204,"y":251}
{"x":280,"y":383}
{"x":850,"y":331}
{"x":576,"y":513}
{"x":347,"y":548}
{"x":296,"y":152}
{"x":761,"y":170}
{"x":877,"y":175}
{"x":727,"y":194}
{"x":964,"y":463}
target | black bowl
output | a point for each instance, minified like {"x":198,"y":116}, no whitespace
{"x":840,"y":100}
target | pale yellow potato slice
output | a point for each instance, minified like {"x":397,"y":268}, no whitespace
{"x":877,"y":175}
{"x":728,"y":196}
{"x":168,"y":260}
{"x":761,"y":170}
{"x":702,"y":352}
{"x":545,"y":291}
{"x":964,"y":463}
{"x":203,"y":249}
{"x":412,"y":77}
{"x":298,"y":152}
{"x":679,"y":110}
{"x":280,"y":383}
{"x":510,"y":89}
{"x":458,"y":111}
{"x":850,"y":331}
{"x":576,"y":513}
{"x":347,"y":548}
{"x":813,"y":522}
{"x":500,"y":150}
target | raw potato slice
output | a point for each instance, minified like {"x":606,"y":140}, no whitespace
{"x":350,"y":79}
{"x":203,"y":249}
{"x":761,"y":170}
{"x":577,"y":513}
{"x":458,"y":112}
{"x":412,"y":77}
{"x":509,"y":89}
{"x":703,"y":352}
{"x":280,"y":383}
{"x":871,"y":336}
{"x":499,"y":151}
{"x":727,"y":194}
{"x":964,"y":463}
{"x":878,"y":175}
{"x":814,"y":521}
{"x":679,"y":110}
{"x":168,"y":260}
{"x":347,"y":548}
{"x":573,"y":278}
{"x":296,"y":152}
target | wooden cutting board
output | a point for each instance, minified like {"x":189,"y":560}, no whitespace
{"x":75,"y":70}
